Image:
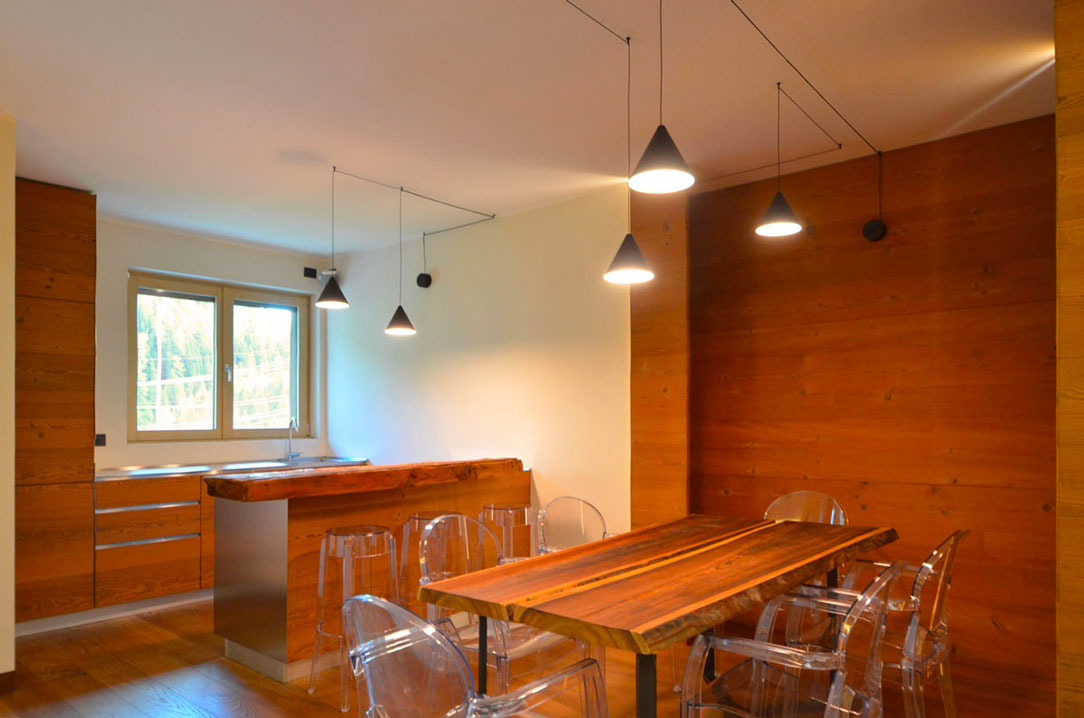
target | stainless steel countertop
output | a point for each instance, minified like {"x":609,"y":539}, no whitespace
{"x":231,"y":467}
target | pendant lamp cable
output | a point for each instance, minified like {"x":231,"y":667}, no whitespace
{"x":628,"y":130}
{"x":333,"y":173}
{"x":425,"y":260}
{"x":660,"y":62}
{"x":778,"y":140}
{"x":880,"y":186}
{"x":400,"y":246}
{"x":820,"y":95}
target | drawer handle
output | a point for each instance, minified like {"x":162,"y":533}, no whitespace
{"x":142,"y":542}
{"x":144,"y":507}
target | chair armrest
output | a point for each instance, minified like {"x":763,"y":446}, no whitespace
{"x":776,"y":654}
{"x":906,"y":602}
{"x":836,"y":601}
{"x":586,"y":673}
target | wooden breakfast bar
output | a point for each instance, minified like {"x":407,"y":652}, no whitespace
{"x":268,"y":528}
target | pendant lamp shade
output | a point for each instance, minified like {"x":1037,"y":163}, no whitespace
{"x":661,"y":169}
{"x":779,"y":220}
{"x":332,"y":297}
{"x":629,"y":265}
{"x":400,"y":325}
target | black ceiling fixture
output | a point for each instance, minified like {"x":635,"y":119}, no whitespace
{"x":332,"y":296}
{"x":875,"y":229}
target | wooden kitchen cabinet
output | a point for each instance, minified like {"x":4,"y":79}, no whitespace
{"x":54,"y":399}
{"x":54,"y":549}
{"x":146,"y":570}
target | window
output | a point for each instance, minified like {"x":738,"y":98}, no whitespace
{"x":213,"y":361}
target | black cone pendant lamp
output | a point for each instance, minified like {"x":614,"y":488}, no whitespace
{"x":779,"y":220}
{"x":629,"y":265}
{"x":661,"y":169}
{"x":332,"y":296}
{"x":400,"y":325}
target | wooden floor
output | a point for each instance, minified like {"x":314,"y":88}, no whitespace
{"x":169,"y":663}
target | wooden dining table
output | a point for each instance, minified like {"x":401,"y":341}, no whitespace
{"x":647,"y":589}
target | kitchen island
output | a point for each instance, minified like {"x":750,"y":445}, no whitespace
{"x":268,"y":527}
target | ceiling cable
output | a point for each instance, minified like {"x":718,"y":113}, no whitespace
{"x":598,"y":22}
{"x":804,"y":78}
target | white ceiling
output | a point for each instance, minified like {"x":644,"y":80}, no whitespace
{"x":225,"y":116}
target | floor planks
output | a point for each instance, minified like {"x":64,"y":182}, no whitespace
{"x":169,"y":664}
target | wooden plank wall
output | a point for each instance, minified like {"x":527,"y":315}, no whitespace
{"x":660,"y":362}
{"x":1069,"y":44}
{"x":913,"y":379}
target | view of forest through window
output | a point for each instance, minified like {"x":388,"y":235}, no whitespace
{"x":177,"y":360}
{"x":263,"y":361}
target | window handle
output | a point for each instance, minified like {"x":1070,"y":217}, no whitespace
{"x":229,"y":373}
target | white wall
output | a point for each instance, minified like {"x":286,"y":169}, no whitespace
{"x":522,"y":351}
{"x":7,"y":393}
{"x":123,"y":246}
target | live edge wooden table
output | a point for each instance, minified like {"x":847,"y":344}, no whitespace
{"x":647,"y":589}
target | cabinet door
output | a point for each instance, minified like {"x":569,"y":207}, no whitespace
{"x":54,"y":549}
{"x":54,"y":391}
{"x":55,"y":252}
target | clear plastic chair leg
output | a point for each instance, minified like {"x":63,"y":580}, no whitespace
{"x":914,"y":700}
{"x":944,"y":677}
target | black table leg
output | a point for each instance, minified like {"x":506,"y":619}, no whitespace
{"x":645,"y":685}
{"x":483,"y":654}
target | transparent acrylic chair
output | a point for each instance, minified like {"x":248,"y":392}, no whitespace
{"x":410,"y":573}
{"x":454,"y":545}
{"x":516,"y":526}
{"x":411,"y":668}
{"x":353,"y":559}
{"x":810,"y":506}
{"x":916,"y":642}
{"x":836,"y":677}
{"x":568,"y":521}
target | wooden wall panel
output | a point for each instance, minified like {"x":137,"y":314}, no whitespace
{"x":54,"y":556}
{"x":913,"y":378}
{"x":660,"y":362}
{"x":1069,"y":45}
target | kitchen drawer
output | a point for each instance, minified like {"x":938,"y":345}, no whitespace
{"x":142,"y":492}
{"x":120,"y":525}
{"x":146,"y":570}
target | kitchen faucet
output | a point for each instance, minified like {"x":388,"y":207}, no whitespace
{"x":290,"y":453}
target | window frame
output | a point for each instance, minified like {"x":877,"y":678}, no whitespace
{"x":224,"y":295}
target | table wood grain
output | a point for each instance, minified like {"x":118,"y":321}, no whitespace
{"x":647,"y":589}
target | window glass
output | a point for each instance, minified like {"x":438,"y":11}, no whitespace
{"x":265,"y":373}
{"x":175,"y":357}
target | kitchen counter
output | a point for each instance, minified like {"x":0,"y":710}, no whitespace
{"x":337,"y":480}
{"x":173,"y":470}
{"x":268,"y":526}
